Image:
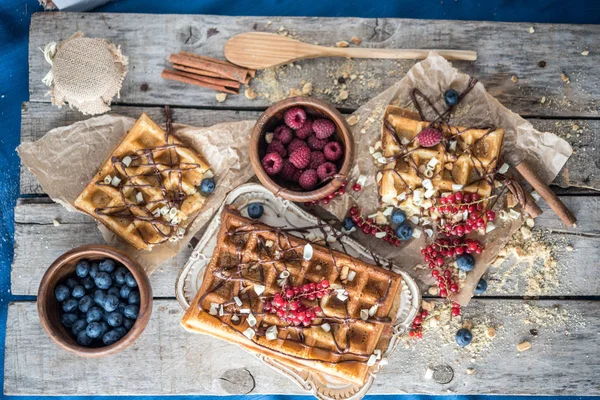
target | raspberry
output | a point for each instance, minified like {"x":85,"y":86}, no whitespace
{"x":333,"y":151}
{"x":295,"y":145}
{"x":305,"y":130}
{"x":294,"y":117}
{"x":289,"y":171}
{"x":429,"y":137}
{"x":323,"y":128}
{"x":283,"y":133}
{"x":277,"y":147}
{"x":308,"y":179}
{"x":316,"y":143}
{"x":326,"y":170}
{"x":272,"y":163}
{"x":301,"y":157}
{"x":316,"y":159}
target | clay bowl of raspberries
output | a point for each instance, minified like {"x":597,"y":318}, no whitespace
{"x":94,"y":301}
{"x":301,"y":149}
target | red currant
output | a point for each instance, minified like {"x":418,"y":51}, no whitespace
{"x":356,"y":187}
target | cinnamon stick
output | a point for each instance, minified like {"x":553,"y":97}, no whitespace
{"x":228,"y":71}
{"x":197,"y":80}
{"x":196,"y":71}
{"x":547,"y":194}
{"x":251,"y":72}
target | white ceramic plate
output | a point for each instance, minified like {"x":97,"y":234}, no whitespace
{"x":282,"y":213}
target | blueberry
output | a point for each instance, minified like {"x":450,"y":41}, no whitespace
{"x":71,"y":283}
{"x":62,"y":293}
{"x":83,"y":339}
{"x":465,"y":262}
{"x":93,"y":315}
{"x":115,"y":319}
{"x":398,"y":216}
{"x":82,"y":269}
{"x":255,"y":210}
{"x":99,"y":296}
{"x":121,"y":307}
{"x":124,"y":292}
{"x":119,"y":275}
{"x":481,"y":286}
{"x":348,"y":223}
{"x":94,"y":270}
{"x":130,"y":280}
{"x":463,"y":337}
{"x":88,"y":283}
{"x":78,"y":292}
{"x":107,"y":265}
{"x":103,"y":280}
{"x":104,"y":326}
{"x":85,"y":303}
{"x":69,"y":305}
{"x":111,"y":337}
{"x":132,"y":311}
{"x":207,"y":186}
{"x":69,"y":319}
{"x":78,"y":326}
{"x":134,"y":297}
{"x":121,"y":331}
{"x":94,"y":330}
{"x":110,"y":303}
{"x":114,"y":291}
{"x":128,"y":323}
{"x":404,"y":231}
{"x":451,"y":97}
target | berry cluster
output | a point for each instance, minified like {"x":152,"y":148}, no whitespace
{"x":326,"y":200}
{"x":368,"y":226}
{"x":303,"y":151}
{"x":289,"y":307}
{"x":417,"y":325}
{"x":460,"y":203}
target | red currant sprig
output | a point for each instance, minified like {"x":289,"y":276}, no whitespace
{"x":368,"y":226}
{"x":326,"y":200}
{"x":288,"y":305}
{"x":459,"y":203}
{"x":417,"y":325}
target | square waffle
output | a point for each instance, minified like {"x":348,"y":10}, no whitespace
{"x":249,"y":253}
{"x":146,"y":191}
{"x":461,"y":166}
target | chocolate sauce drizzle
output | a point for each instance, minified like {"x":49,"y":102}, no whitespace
{"x":152,"y":177}
{"x":284,"y":252}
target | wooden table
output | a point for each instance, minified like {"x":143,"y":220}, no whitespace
{"x":168,"y":360}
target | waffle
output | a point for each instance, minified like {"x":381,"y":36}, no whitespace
{"x":157,"y":169}
{"x":465,"y":167}
{"x":241,"y":244}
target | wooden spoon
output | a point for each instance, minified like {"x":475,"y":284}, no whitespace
{"x":259,"y":50}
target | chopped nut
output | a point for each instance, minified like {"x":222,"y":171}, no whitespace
{"x":565,"y":78}
{"x":585,"y":52}
{"x":352,"y":120}
{"x":307,"y":89}
{"x":293,"y":92}
{"x":249,"y":93}
{"x":524,"y":346}
{"x":526,"y":232}
{"x":530,"y":222}
{"x":433,"y":290}
{"x":514,"y":79}
{"x":467,"y":325}
{"x":56,"y":222}
{"x":221,"y":97}
{"x":569,"y":248}
{"x":543,"y":99}
{"x":428,"y":305}
{"x":356,"y":40}
{"x":470,"y":371}
{"x":343,"y":95}
{"x":342,"y":43}
{"x":490,"y":332}
{"x":531,"y":30}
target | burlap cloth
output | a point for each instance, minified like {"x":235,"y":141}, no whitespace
{"x":86,"y":73}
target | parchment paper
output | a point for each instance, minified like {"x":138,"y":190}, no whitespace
{"x":67,"y":158}
{"x":544,"y":151}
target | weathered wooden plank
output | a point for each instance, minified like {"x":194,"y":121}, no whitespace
{"x":34,"y":228}
{"x":166,"y":360}
{"x":581,"y":171}
{"x":537,"y":59}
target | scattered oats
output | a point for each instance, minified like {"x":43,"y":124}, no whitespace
{"x":543,"y":100}
{"x":526,"y":232}
{"x":490,"y":332}
{"x":343,"y":95}
{"x":530,"y":222}
{"x":433,"y":290}
{"x":356,"y":40}
{"x":531,"y":30}
{"x":585,"y":52}
{"x":342,"y":43}
{"x":428,"y":305}
{"x":352,"y":120}
{"x":268,"y":24}
{"x":470,"y":371}
{"x":56,"y":222}
{"x":307,"y":89}
{"x":524,"y":346}
{"x":569,"y":248}
{"x":514,"y":79}
{"x":293,"y":92}
{"x":249,"y":93}
{"x":221,"y":97}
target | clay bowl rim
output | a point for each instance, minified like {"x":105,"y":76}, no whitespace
{"x":46,"y":293}
{"x":344,"y":133}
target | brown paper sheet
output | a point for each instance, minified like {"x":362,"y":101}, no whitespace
{"x":545,"y":152}
{"x":67,"y":158}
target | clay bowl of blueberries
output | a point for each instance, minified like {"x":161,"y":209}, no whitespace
{"x":94,"y":301}
{"x":302,"y":149}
